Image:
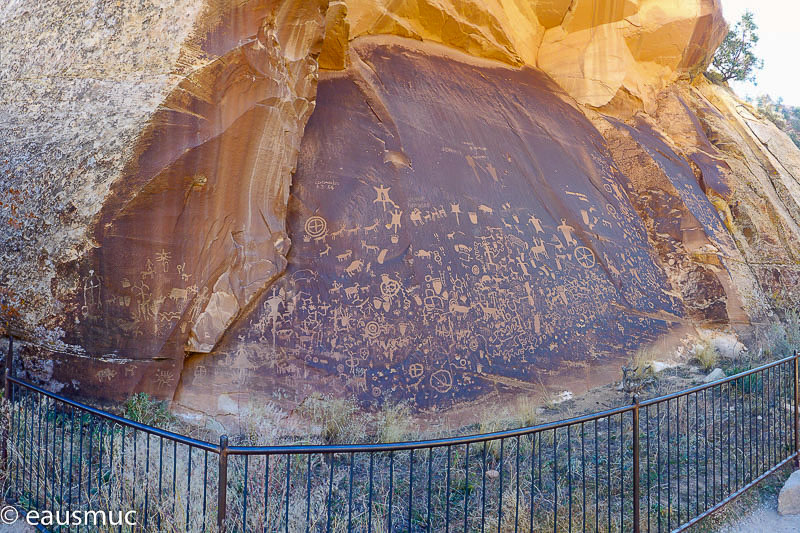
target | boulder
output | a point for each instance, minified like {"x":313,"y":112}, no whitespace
{"x":714,"y":375}
{"x":789,"y":497}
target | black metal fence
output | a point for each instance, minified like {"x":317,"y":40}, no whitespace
{"x":656,"y":465}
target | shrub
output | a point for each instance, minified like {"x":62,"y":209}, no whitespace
{"x":339,"y":420}
{"x":261,"y":425}
{"x":143,"y":409}
{"x":394,"y":423}
{"x":706,"y":355}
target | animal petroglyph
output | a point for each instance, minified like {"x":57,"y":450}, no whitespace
{"x":370,"y":248}
{"x":354,"y":267}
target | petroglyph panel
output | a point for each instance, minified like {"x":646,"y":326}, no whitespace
{"x":505,"y":248}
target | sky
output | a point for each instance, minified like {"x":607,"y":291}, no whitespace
{"x":779,"y":46}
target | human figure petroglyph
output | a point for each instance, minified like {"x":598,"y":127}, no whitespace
{"x":456,"y":210}
{"x":438,"y":213}
{"x":522,"y":264}
{"x":383,"y":197}
{"x":566,"y":230}
{"x":91,"y":293}
{"x":164,"y":258}
{"x":335,"y":287}
{"x":148,"y":271}
{"x":536,"y":223}
{"x":395,"y":224}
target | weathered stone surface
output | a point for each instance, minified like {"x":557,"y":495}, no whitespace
{"x":636,"y":46}
{"x":592,"y":49}
{"x":488,"y":196}
{"x":437,"y":268}
{"x":78,"y":83}
{"x":194,"y":226}
{"x":789,"y":497}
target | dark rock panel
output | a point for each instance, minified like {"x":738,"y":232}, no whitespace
{"x":195,"y":230}
{"x":457,"y":230}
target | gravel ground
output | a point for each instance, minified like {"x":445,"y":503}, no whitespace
{"x":18,"y":527}
{"x":764,"y":519}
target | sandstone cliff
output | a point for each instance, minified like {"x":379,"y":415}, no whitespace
{"x":219,"y":202}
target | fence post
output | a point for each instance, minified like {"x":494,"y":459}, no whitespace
{"x":796,"y":412}
{"x":222,"y":487}
{"x":636,"y":453}
{"x":9,"y":364}
{"x":7,"y":421}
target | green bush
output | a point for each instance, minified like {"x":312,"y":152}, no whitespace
{"x":143,"y":409}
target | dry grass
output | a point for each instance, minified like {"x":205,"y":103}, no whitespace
{"x":394,"y":423}
{"x":527,"y":477}
{"x":638,"y":372}
{"x":706,"y":355}
{"x":338,"y":420}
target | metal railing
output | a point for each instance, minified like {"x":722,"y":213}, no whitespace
{"x":657,"y":465}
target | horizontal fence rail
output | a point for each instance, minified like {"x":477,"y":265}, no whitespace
{"x":657,"y":465}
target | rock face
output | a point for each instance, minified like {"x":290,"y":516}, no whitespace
{"x":215,"y":163}
{"x":435,"y":201}
{"x":443,"y":265}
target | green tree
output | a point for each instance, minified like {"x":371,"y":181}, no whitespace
{"x":785,"y":117}
{"x":735,"y":59}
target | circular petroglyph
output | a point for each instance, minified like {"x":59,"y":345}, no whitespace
{"x":316,"y":226}
{"x":415,"y":370}
{"x":442,"y":380}
{"x":372,"y":330}
{"x":584,"y":256}
{"x":390,"y":287}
